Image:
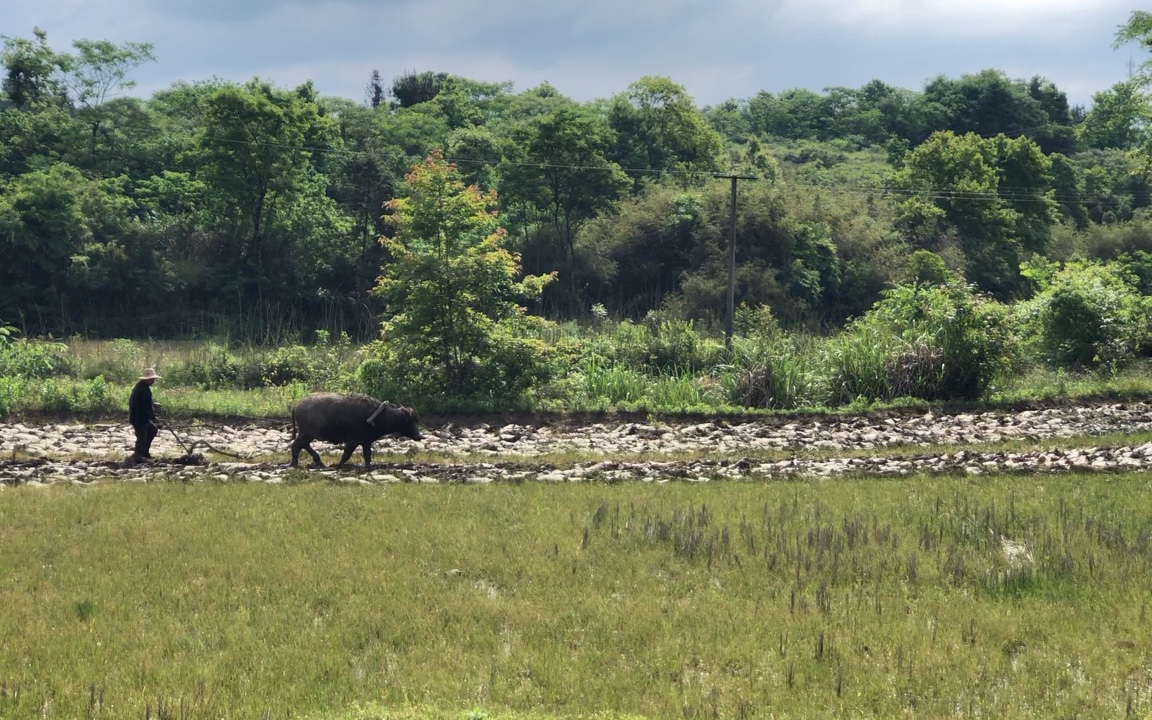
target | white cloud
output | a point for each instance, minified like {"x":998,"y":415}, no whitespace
{"x":952,"y":18}
{"x":716,"y":48}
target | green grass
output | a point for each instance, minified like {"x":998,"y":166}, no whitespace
{"x":212,"y":380}
{"x":737,"y":599}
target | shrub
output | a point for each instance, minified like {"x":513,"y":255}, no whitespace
{"x":656,"y":347}
{"x":286,"y":365}
{"x":452,"y":291}
{"x":119,"y":361}
{"x":34,"y":360}
{"x":775,"y":371}
{"x":12,"y":389}
{"x":6,"y":334}
{"x":501,"y":373}
{"x":941,"y":342}
{"x":758,"y":322}
{"x":1086,"y":315}
{"x":216,"y":367}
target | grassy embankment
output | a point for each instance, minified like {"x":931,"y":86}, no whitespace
{"x":847,"y":597}
{"x":216,"y":380}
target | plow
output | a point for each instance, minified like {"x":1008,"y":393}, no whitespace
{"x":191,"y":457}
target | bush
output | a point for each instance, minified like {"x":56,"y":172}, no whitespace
{"x":1086,"y":315}
{"x":34,"y":360}
{"x":12,"y":390}
{"x":773,"y":371}
{"x":941,"y":342}
{"x":286,"y":365}
{"x":657,"y":347}
{"x":500,"y":374}
{"x":119,"y":361}
{"x":216,"y":367}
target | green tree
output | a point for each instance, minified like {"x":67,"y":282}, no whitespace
{"x":1114,"y":185}
{"x":32,"y":72}
{"x":1068,"y":187}
{"x":413,"y":88}
{"x":35,"y":120}
{"x":1086,"y":315}
{"x":100,"y":68}
{"x":563,"y":172}
{"x":257,"y":155}
{"x":1120,"y":118}
{"x":1138,"y":29}
{"x":796,"y":113}
{"x":986,"y":103}
{"x":994,"y":194}
{"x":368,"y":172}
{"x":452,"y":290}
{"x":42,"y":227}
{"x":659,"y":129}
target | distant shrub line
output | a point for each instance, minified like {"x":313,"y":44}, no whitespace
{"x":933,"y":342}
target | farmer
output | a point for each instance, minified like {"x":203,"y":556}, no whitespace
{"x":142,"y":414}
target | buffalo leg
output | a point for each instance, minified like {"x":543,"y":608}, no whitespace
{"x":299,"y":444}
{"x":348,"y":449}
{"x":367,"y":455}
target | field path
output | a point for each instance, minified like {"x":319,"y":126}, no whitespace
{"x":474,"y":451}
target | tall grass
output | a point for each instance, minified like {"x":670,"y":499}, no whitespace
{"x":770,"y":371}
{"x":198,"y":378}
{"x":926,"y":597}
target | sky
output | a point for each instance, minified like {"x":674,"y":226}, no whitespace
{"x":716,"y":49}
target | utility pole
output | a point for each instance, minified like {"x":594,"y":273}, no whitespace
{"x":732,"y":261}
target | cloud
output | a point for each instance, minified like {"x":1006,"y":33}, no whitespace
{"x":716,"y":48}
{"x":952,"y":18}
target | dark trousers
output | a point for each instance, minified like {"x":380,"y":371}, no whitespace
{"x":145,"y":432}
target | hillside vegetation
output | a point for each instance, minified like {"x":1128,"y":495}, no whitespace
{"x":889,"y":242}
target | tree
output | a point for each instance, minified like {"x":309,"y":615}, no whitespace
{"x":986,"y":103}
{"x":413,"y":88}
{"x":1120,"y":118}
{"x":563,"y":172}
{"x":1138,"y":29}
{"x":32,"y":72}
{"x":374,"y":92}
{"x":659,"y":129}
{"x":451,"y":288}
{"x":1058,"y":135}
{"x":42,"y":226}
{"x":1024,"y":183}
{"x":993,"y":193}
{"x":365,"y":178}
{"x":796,"y":113}
{"x":255,"y":153}
{"x":100,"y":69}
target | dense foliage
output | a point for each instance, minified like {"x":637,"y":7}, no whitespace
{"x":262,"y":214}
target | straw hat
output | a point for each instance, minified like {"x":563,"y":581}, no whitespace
{"x":150,"y":374}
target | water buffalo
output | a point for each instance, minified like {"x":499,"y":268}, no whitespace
{"x":352,"y":419}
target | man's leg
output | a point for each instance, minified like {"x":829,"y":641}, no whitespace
{"x":153,"y":431}
{"x":145,"y":433}
{"x":142,"y":441}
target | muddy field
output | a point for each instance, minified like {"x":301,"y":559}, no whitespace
{"x":469,"y":451}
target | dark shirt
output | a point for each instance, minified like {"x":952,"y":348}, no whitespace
{"x":140,"y":410}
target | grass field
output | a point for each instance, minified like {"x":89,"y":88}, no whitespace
{"x":1004,"y":597}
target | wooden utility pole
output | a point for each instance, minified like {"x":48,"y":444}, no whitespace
{"x":732,"y":261}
